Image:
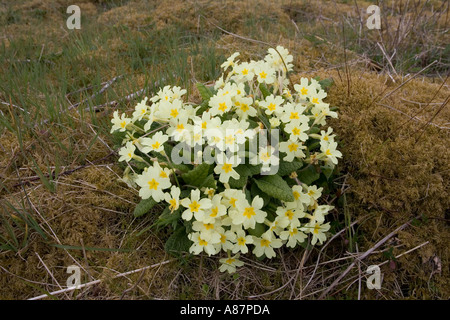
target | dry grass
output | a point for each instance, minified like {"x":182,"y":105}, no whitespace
{"x":393,"y":129}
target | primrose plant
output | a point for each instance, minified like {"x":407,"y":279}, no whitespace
{"x":239,"y":172}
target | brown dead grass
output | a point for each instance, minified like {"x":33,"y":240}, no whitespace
{"x":394,"y":173}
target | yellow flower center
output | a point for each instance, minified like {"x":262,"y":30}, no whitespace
{"x":296,"y":131}
{"x":153,"y":184}
{"x":229,"y":139}
{"x":249,"y":212}
{"x":174,"y":113}
{"x":263,"y":75}
{"x":289,"y":214}
{"x":328,"y":153}
{"x":265,"y":243}
{"x":316,"y":228}
{"x":272,"y":106}
{"x":208,"y":226}
{"x":223,"y":106}
{"x":163,"y":174}
{"x":194,"y":206}
{"x":204,"y":125}
{"x":214,"y":212}
{"x":315,"y":100}
{"x":230,"y":261}
{"x":294,"y":115}
{"x":123,"y":124}
{"x":180,"y":127}
{"x":223,"y":238}
{"x":265,"y":156}
{"x":233,"y":202}
{"x":173,"y":204}
{"x":244,"y":107}
{"x":202,"y":242}
{"x":304,"y":91}
{"x":293,"y":232}
{"x":245,"y":71}
{"x":241,"y":241}
{"x":293,"y":147}
{"x":296,"y":195}
{"x":227,"y":167}
{"x":156,"y":145}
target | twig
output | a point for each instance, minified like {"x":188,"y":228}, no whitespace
{"x":51,"y":274}
{"x":432,"y":118}
{"x":66,"y":172}
{"x":363,"y":256}
{"x":111,"y":103}
{"x":406,"y":252}
{"x":389,"y":61}
{"x":320,"y":252}
{"x":103,"y":89}
{"x":429,"y":102}
{"x":405,"y":82}
{"x":134,"y":285}
{"x":99,"y":280}
{"x":413,"y":117}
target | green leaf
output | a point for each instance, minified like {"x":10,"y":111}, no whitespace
{"x":288,"y":167}
{"x":327,"y":171}
{"x":263,"y":118}
{"x":313,"y":145}
{"x":197,"y":176}
{"x":259,"y":229}
{"x":265,"y":92}
{"x":239,"y":183}
{"x":178,"y":242}
{"x":209,"y":182}
{"x":326,"y":83}
{"x":255,"y":191}
{"x":254,"y":169}
{"x":308,"y":175}
{"x":243,"y":172}
{"x":167,"y":217}
{"x":203,"y":107}
{"x":276,"y":187}
{"x":314,"y":130}
{"x":204,"y":91}
{"x":144,"y":207}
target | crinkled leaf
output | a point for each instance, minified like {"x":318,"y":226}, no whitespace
{"x":178,"y":242}
{"x":288,"y":167}
{"x":167,"y":217}
{"x":326,"y":83}
{"x":204,"y":91}
{"x":314,"y":129}
{"x":144,"y":207}
{"x":308,"y":175}
{"x":197,"y":176}
{"x":327,"y":171}
{"x":254,"y":169}
{"x":275,"y":187}
{"x":243,"y":172}
{"x":265,"y":92}
{"x":259,"y":229}
{"x":209,"y":182}
{"x":255,"y":191}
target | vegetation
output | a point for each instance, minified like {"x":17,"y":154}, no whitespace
{"x":61,"y":203}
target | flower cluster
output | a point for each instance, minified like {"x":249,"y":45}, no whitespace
{"x":222,"y":180}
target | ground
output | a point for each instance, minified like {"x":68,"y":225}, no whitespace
{"x":61,"y":203}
